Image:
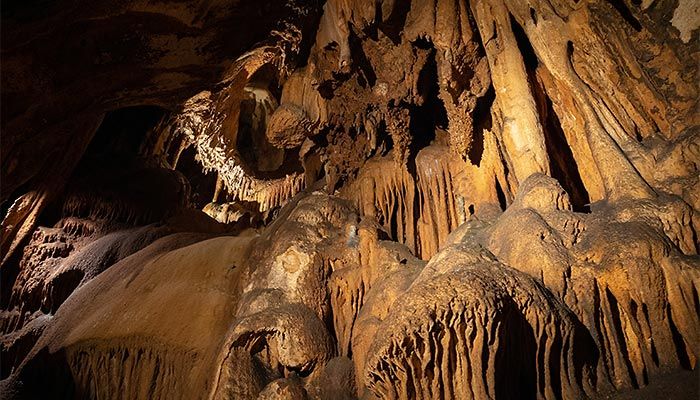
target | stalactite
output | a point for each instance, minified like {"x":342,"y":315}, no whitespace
{"x":426,"y":199}
{"x":445,"y":193}
{"x":128,"y":370}
{"x":209,"y":122}
{"x":347,"y":291}
{"x":522,"y":134}
{"x":462,"y":71}
{"x":385,"y":190}
{"x":573,"y":126}
{"x":442,"y":206}
{"x":238,"y":183}
{"x":618,"y":174}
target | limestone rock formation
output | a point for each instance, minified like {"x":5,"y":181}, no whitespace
{"x":416,"y":199}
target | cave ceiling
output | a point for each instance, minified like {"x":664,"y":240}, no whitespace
{"x":307,"y":199}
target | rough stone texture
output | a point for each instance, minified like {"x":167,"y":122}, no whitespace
{"x":425,"y":199}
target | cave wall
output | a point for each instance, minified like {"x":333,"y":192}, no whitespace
{"x":349,"y":199}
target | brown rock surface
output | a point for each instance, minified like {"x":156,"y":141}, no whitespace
{"x":424,"y":199}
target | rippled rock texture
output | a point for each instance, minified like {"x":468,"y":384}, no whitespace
{"x":394,"y":199}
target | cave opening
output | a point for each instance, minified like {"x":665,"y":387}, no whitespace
{"x":118,"y":144}
{"x":267,"y":77}
{"x":124,"y":131}
{"x":202,"y":182}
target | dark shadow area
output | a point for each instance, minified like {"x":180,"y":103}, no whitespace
{"x":123,"y":132}
{"x":626,"y":14}
{"x":696,"y":300}
{"x":561,"y":159}
{"x":115,"y":180}
{"x":619,"y":332}
{"x":515,"y":361}
{"x":393,"y":25}
{"x":267,"y":77}
{"x":62,"y":286}
{"x":46,"y":376}
{"x":431,"y":114}
{"x":585,"y":354}
{"x":482,"y":123}
{"x":107,"y":167}
{"x":261,"y":159}
{"x":502,"y":202}
{"x":13,"y":354}
{"x":526,"y":49}
{"x":366,"y":74}
{"x":678,"y":341}
{"x":9,"y":273}
{"x":202,"y":183}
{"x":116,"y":145}
{"x":309,"y":27}
{"x":673,"y":385}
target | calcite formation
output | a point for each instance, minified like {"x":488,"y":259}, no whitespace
{"x":391,"y":199}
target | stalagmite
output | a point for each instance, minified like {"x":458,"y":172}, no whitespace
{"x":307,"y":200}
{"x":431,"y":348}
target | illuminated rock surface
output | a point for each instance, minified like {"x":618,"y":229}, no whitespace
{"x":426,"y":199}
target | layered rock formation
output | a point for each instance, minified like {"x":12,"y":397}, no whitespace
{"x":425,"y":199}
